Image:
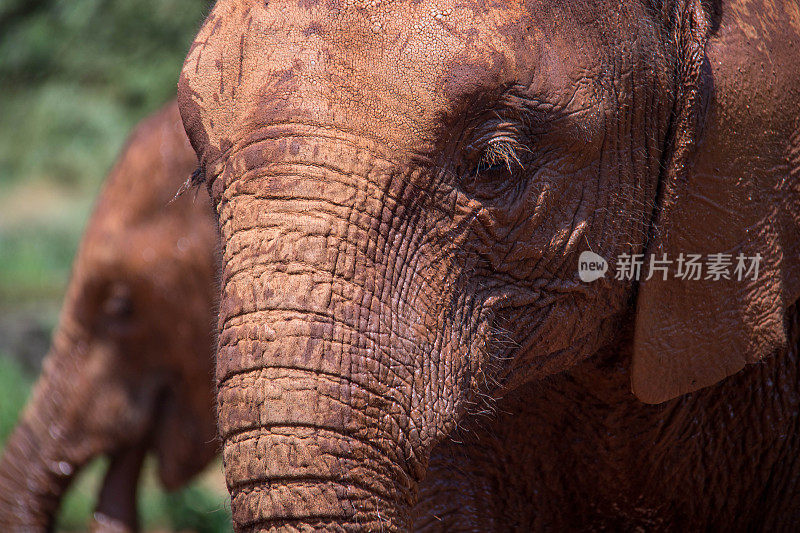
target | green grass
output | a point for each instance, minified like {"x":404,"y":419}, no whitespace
{"x":37,"y":253}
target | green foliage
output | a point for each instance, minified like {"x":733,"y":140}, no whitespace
{"x":196,"y":508}
{"x":63,"y":135}
{"x":76,"y":75}
{"x":37,"y":251}
{"x":14,"y":389}
{"x":78,"y":503}
{"x":129,"y":49}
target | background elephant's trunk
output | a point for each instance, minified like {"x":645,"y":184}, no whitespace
{"x":316,"y":392}
{"x":74,"y":415}
{"x":38,"y":460}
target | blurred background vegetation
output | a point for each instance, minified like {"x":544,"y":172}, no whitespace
{"x":75,"y":77}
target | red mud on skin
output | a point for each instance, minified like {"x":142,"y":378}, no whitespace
{"x":423,"y":302}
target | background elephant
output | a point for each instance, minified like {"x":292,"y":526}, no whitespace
{"x":130,"y":366}
{"x":403,"y":191}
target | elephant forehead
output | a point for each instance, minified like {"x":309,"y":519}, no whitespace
{"x":404,"y":63}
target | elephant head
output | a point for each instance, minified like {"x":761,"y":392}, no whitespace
{"x":404,"y":189}
{"x":131,"y":360}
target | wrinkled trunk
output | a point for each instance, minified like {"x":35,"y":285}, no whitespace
{"x":306,"y":460}
{"x":316,"y":392}
{"x":38,"y":461}
{"x":312,"y":437}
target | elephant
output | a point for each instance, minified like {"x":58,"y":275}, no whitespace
{"x":404,"y":192}
{"x":130,"y":369}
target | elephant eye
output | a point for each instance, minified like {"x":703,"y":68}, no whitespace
{"x":491,"y":175}
{"x":118,"y":305}
{"x":500,"y":153}
{"x":118,"y":313}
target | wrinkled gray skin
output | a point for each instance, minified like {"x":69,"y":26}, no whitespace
{"x":403,"y":190}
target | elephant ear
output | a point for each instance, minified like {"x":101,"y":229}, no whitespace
{"x":730,"y":184}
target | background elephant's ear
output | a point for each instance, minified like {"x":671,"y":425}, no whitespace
{"x":731,"y":185}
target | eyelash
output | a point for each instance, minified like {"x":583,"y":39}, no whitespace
{"x":198,"y":176}
{"x":501,"y":151}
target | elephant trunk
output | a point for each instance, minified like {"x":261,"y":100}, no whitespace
{"x":38,"y":462}
{"x":314,"y":388}
{"x":75,"y":414}
{"x":311,"y":437}
{"x":304,"y":459}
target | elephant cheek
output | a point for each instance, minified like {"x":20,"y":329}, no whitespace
{"x":184,"y":441}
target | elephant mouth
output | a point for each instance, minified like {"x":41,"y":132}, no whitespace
{"x":116,"y":501}
{"x":116,"y":504}
{"x":170,"y":434}
{"x":182,"y":442}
